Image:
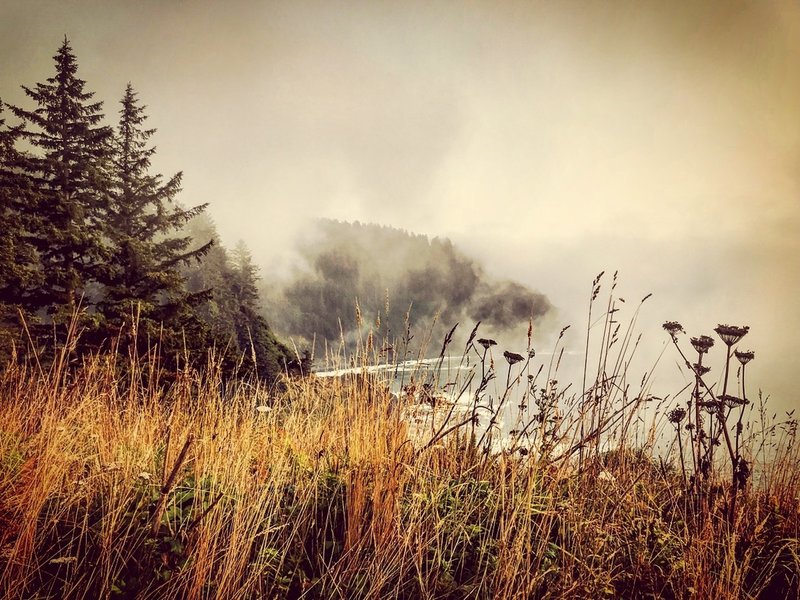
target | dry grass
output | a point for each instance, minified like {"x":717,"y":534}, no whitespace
{"x":198,"y":490}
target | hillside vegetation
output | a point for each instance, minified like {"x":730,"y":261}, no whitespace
{"x":116,"y":486}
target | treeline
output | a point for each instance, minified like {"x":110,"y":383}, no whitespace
{"x":94,"y":243}
{"x":400,"y":280}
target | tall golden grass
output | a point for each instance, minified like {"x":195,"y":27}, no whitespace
{"x":113,"y":485}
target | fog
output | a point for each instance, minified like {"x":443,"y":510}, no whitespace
{"x":401,"y":285}
{"x":548,"y":140}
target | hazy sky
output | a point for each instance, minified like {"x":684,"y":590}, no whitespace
{"x":551,"y":140}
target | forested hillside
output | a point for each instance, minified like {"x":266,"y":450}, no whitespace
{"x":405,"y":284}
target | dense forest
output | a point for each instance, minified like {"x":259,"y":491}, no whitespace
{"x":97,"y":251}
{"x":406,"y":285}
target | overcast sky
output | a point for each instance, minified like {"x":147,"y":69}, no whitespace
{"x":551,"y":140}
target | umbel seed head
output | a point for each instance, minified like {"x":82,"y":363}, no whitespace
{"x":673,"y":328}
{"x":745,"y":356}
{"x":732,"y":401}
{"x":702,"y":343}
{"x":731,"y":334}
{"x":700,"y":370}
{"x":512,"y":357}
{"x":487,"y":343}
{"x":711,"y":406}
{"x":676,"y":415}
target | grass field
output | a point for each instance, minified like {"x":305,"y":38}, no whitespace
{"x":115,"y":485}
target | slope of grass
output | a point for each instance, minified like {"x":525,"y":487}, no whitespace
{"x":113,"y":486}
{"x":320,"y":493}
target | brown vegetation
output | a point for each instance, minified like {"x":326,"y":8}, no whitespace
{"x":321,"y":490}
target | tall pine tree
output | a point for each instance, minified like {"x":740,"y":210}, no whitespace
{"x":67,"y":167}
{"x":263,"y":353}
{"x":233,"y":312}
{"x":143,"y":278}
{"x":19,"y":264}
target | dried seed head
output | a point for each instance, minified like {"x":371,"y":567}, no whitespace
{"x":700,"y":370}
{"x":732,"y":401}
{"x":512,"y":357}
{"x":676,"y":415}
{"x":745,"y":357}
{"x":702,"y":343}
{"x":711,"y":406}
{"x":731,"y":334}
{"x":673,"y":328}
{"x":487,"y":343}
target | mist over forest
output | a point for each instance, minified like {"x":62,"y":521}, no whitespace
{"x":398,"y":280}
{"x":312,"y":300}
{"x":96,"y":238}
{"x":547,"y":142}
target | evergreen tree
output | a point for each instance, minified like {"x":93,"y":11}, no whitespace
{"x":82,"y":216}
{"x":68,"y":172}
{"x":245,"y":280}
{"x":143,"y":277}
{"x":262,"y":351}
{"x":19,"y":265}
{"x":18,"y":261}
{"x":212,"y":275}
{"x":233,"y":312}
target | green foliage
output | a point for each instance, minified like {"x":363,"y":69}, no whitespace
{"x":142,"y":277}
{"x":465,"y":513}
{"x":94,"y":243}
{"x":142,"y":286}
{"x":68,"y":170}
{"x":398,"y":279}
{"x":17,"y":192}
{"x":19,"y":270}
{"x":232,"y":311}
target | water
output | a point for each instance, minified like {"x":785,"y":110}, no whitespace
{"x":436,"y":394}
